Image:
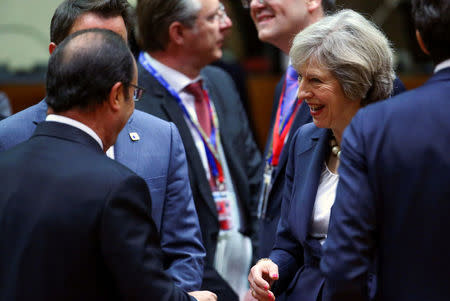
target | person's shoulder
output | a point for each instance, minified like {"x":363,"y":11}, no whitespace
{"x":29,"y":114}
{"x":148,"y":120}
{"x":395,"y":107}
{"x":303,"y":137}
{"x":215,"y":73}
{"x":102,"y":166}
{"x":150,"y":124}
{"x":309,"y":130}
{"x":20,"y":126}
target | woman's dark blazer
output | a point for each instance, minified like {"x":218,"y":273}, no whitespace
{"x":293,"y":245}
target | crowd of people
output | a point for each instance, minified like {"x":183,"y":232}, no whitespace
{"x":137,"y":177}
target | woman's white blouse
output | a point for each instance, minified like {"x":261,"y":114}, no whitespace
{"x":326,"y":193}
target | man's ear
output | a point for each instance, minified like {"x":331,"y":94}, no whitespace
{"x":421,"y":43}
{"x":312,"y":5}
{"x":116,"y":97}
{"x":176,"y":32}
{"x":51,"y":47}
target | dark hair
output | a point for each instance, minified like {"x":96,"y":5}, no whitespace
{"x":432,"y":19}
{"x":84,"y":67}
{"x":328,"y":6}
{"x":68,"y":12}
{"x":155,"y":16}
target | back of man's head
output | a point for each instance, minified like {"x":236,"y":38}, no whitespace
{"x":432,"y":20}
{"x":155,"y":16}
{"x":84,"y":67}
{"x":70,"y":10}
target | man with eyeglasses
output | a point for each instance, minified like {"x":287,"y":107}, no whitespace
{"x":147,"y":145}
{"x":179,"y":39}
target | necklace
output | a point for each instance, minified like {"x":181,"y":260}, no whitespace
{"x":335,"y":149}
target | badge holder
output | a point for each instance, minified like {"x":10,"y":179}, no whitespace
{"x":265,"y":191}
{"x":222,"y":200}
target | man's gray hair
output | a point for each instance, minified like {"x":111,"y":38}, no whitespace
{"x":353,"y":49}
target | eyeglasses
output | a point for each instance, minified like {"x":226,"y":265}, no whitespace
{"x":219,"y":15}
{"x":138,"y":92}
{"x":246,"y":3}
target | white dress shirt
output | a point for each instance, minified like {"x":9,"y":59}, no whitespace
{"x":442,"y":65}
{"x":326,"y":193}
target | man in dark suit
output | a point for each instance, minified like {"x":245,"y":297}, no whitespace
{"x":147,"y":145}
{"x":393,"y":197}
{"x":75,"y":224}
{"x":179,"y":38}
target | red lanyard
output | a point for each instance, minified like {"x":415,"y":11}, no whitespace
{"x":279,"y":138}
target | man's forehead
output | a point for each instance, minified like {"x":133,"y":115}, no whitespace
{"x":93,"y":20}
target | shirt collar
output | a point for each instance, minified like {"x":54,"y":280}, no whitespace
{"x":77,"y":124}
{"x":177,"y":80}
{"x":442,"y":65}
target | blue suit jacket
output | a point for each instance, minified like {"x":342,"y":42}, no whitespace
{"x":293,"y":246}
{"x":393,"y":199}
{"x":159,"y":158}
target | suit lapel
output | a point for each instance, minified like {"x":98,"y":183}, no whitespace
{"x":41,"y":112}
{"x":315,"y":159}
{"x":174,"y":114}
{"x":310,"y":192}
{"x":126,"y":150}
{"x":302,"y":117}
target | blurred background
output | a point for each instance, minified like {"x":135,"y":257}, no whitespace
{"x":256,"y":67}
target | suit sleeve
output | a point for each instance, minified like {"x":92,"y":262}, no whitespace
{"x":349,"y":248}
{"x":130,"y":245}
{"x":286,"y":249}
{"x":180,"y":231}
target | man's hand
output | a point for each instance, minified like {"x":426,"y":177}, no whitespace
{"x":261,"y":277}
{"x":203,"y":295}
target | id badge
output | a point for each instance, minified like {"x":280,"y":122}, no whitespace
{"x":222,"y":201}
{"x":265,"y":191}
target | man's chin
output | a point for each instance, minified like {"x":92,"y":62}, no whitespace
{"x":265,"y":35}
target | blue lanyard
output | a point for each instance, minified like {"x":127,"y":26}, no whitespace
{"x":210,"y":143}
{"x":284,"y":119}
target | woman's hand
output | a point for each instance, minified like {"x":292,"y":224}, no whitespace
{"x":261,"y":277}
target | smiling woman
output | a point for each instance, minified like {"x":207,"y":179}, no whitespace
{"x":344,"y":62}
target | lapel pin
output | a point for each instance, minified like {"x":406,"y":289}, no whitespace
{"x":134,"y":136}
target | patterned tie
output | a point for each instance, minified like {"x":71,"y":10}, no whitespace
{"x":201,"y":106}
{"x":290,"y":92}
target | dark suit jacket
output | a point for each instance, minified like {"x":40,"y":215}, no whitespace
{"x":159,"y":158}
{"x":393,"y":199}
{"x":75,"y":225}
{"x":268,"y":225}
{"x":293,"y":246}
{"x":242,"y":155}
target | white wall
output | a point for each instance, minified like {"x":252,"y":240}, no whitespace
{"x":25,"y":32}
